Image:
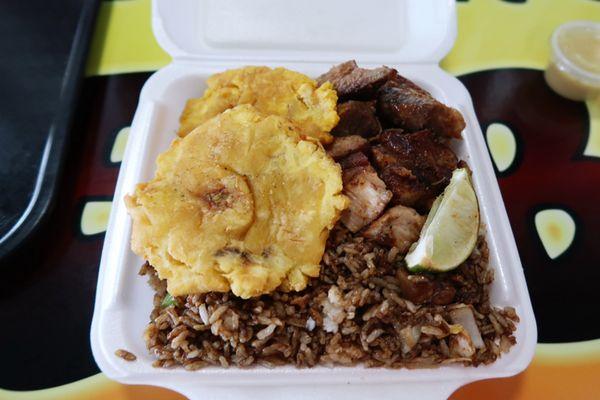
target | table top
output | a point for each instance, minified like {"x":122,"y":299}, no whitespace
{"x":546,"y":152}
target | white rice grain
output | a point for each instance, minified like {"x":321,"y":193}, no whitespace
{"x":266,"y":332}
{"x":310,"y":324}
{"x":203,"y":313}
{"x":217,"y":314}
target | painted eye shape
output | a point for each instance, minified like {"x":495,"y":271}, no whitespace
{"x":556,"y":230}
{"x":118,"y":148}
{"x":94,"y":217}
{"x":502,"y":145}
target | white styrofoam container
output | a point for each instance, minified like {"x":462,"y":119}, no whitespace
{"x":205,"y":37}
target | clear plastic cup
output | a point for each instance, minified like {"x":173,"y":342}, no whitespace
{"x":574,"y":68}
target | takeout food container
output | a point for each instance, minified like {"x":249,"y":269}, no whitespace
{"x":205,"y":37}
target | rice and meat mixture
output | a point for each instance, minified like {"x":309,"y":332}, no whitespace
{"x":392,"y":144}
{"x":357,"y":311}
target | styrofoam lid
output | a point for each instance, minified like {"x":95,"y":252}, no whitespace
{"x":370,"y":31}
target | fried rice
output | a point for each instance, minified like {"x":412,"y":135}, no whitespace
{"x":355,"y":312}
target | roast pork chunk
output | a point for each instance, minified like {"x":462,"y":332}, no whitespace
{"x":414,"y":166}
{"x":346,"y":145}
{"x":366,"y":191}
{"x":399,"y":226}
{"x":406,"y":105}
{"x":352,"y":82}
{"x":357,"y":118}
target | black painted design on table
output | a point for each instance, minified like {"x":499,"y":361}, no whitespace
{"x":551,"y":174}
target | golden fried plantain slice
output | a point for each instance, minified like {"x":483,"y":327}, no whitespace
{"x":271,"y":91}
{"x":242,"y":203}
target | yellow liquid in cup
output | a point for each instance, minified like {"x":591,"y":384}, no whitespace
{"x":581,"y":45}
{"x":580,"y":48}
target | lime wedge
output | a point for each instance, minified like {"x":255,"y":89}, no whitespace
{"x":449,"y":234}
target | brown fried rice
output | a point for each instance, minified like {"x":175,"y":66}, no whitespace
{"x":354,"y":312}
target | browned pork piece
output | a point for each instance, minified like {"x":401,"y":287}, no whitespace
{"x":346,"y":145}
{"x":399,"y":227}
{"x":352,"y":82}
{"x":422,"y":289}
{"x":414,"y":166}
{"x":366,"y":191}
{"x":406,"y":105}
{"x":357,"y":118}
{"x":428,"y":158}
{"x":407,"y":188}
{"x":358,"y":159}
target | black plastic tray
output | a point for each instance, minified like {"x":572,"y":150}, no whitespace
{"x":43,"y":46}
